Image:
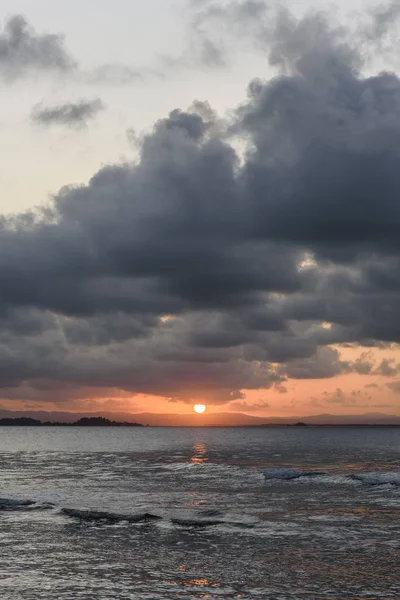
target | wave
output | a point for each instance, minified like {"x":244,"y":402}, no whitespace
{"x":288,"y":474}
{"x":374,"y":479}
{"x":208,"y":517}
{"x":200,"y":522}
{"x":97,"y":515}
{"x":203,"y":519}
{"x":11,"y":504}
{"x":15,"y":504}
{"x":207,"y":522}
{"x":367,"y":479}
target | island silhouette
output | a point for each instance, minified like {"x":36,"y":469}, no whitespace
{"x":83,"y":422}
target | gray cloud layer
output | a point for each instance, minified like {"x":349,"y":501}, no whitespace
{"x":72,"y":114}
{"x":199,"y":273}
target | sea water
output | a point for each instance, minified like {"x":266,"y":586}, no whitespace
{"x":166,"y":513}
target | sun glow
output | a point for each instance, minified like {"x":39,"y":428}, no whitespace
{"x":200,"y":408}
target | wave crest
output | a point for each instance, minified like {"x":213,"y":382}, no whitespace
{"x":97,"y":515}
{"x":288,"y":474}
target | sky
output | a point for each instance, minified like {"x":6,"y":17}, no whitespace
{"x":200,"y":204}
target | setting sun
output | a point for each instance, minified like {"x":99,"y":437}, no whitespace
{"x":199,"y":408}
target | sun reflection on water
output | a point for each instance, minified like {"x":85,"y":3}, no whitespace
{"x":199,"y":454}
{"x":196,"y":500}
{"x":200,"y":582}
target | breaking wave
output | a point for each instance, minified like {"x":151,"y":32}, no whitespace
{"x":367,"y":479}
{"x":203,"y":519}
{"x":96,"y":515}
{"x":374,"y":479}
{"x":287,"y":474}
{"x":204,"y":522}
{"x":208,"y":518}
{"x":15,"y":504}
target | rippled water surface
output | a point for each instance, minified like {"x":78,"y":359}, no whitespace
{"x":165,"y":513}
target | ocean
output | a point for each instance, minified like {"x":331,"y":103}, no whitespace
{"x":165,"y":513}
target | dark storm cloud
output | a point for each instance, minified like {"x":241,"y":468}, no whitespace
{"x":22,"y":50}
{"x":71,"y":114}
{"x":324,"y":364}
{"x":134,"y":365}
{"x":199,"y":272}
{"x":59,"y":392}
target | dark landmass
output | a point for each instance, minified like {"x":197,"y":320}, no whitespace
{"x":208,"y":419}
{"x":84,"y":422}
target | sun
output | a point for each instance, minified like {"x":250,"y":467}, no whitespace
{"x":199,"y":408}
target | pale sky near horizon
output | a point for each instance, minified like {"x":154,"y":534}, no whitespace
{"x":153,"y":38}
{"x":37,"y":163}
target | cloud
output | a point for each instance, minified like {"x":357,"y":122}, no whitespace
{"x":338,"y":397}
{"x":382,"y":18}
{"x":250,"y":407}
{"x":394,"y":386}
{"x":61,"y":393}
{"x":364,"y":364}
{"x":388,"y":368}
{"x":356,"y":398}
{"x":71,"y":114}
{"x":198,"y":273}
{"x":117,"y":74}
{"x":219,"y":31}
{"x":216,"y":30}
{"x":280,"y":388}
{"x":325,"y":363}
{"x":23,"y":50}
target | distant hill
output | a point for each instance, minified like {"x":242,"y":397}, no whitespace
{"x":217,"y":419}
